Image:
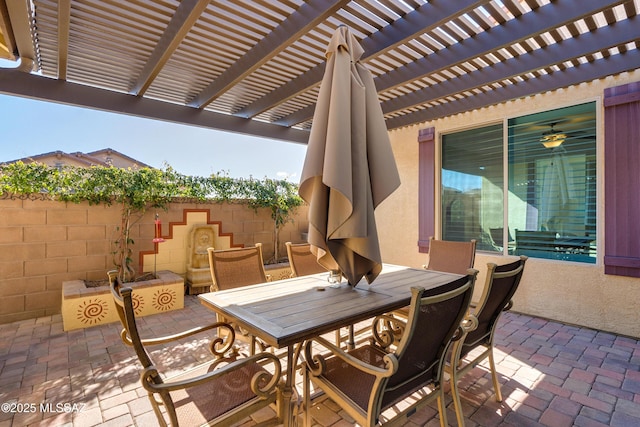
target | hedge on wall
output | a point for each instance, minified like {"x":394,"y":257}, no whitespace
{"x":137,"y":189}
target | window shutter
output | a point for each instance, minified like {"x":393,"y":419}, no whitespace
{"x":426,"y":187}
{"x":622,"y":180}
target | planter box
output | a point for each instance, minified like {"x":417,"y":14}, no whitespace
{"x":83,"y":307}
{"x":277,"y":271}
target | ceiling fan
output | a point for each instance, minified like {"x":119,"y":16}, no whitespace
{"x":553,"y":137}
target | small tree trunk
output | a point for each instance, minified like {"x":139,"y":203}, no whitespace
{"x":123,"y":251}
{"x":276,"y":238}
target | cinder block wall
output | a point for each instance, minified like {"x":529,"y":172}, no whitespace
{"x":44,"y":243}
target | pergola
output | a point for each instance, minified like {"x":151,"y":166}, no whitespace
{"x":255,"y":66}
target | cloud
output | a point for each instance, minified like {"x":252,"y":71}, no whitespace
{"x":286,"y":175}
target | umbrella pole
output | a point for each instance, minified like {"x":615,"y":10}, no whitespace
{"x":351,"y":343}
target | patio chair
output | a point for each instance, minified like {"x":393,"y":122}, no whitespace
{"x":220,"y":392}
{"x":236,"y":267}
{"x":301,"y":260}
{"x":450,"y":256}
{"x":447,"y":256}
{"x":372,"y":378}
{"x":500,"y":286}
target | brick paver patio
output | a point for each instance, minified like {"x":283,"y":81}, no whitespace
{"x":552,"y":375}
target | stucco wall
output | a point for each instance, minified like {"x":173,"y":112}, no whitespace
{"x":569,"y":292}
{"x":44,"y":243}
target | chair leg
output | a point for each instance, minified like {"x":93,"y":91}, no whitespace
{"x":455,"y":395}
{"x":455,"y":364}
{"x":494,"y":375}
{"x":306,"y":391}
{"x":442,"y":408}
{"x":156,"y":411}
{"x":156,"y":401}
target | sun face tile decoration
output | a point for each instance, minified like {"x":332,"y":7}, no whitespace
{"x":92,"y":311}
{"x":138,"y":303}
{"x":164,"y":299}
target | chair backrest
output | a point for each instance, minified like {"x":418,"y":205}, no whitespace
{"x":301,"y":260}
{"x":433,"y":321}
{"x":236,"y":267}
{"x":450,"y":256}
{"x":501,"y":284}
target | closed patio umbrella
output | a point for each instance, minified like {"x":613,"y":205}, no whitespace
{"x":349,"y":167}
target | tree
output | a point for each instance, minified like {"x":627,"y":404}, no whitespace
{"x":280,"y":197}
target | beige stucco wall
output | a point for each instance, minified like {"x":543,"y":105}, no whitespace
{"x":565,"y":291}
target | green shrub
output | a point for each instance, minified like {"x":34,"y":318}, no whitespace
{"x":139,"y":189}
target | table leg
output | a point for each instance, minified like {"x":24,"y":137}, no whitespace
{"x":287,"y":410}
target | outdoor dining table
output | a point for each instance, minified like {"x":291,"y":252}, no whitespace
{"x":285,"y":313}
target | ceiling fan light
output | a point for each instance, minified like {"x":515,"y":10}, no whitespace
{"x":553,"y":140}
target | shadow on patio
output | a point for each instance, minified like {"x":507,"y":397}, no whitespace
{"x":552,"y":374}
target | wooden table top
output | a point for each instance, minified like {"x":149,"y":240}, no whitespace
{"x":286,"y":312}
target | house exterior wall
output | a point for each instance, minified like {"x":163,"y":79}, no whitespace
{"x":569,"y":292}
{"x":116,"y":159}
{"x":55,"y":160}
{"x":44,"y":243}
{"x":104,"y":157}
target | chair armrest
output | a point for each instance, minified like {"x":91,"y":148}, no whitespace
{"x":218,"y":346}
{"x":316,"y":362}
{"x":263,"y":359}
{"x":468,"y":324}
{"x":387,"y":329}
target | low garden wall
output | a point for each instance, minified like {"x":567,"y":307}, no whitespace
{"x":44,"y":243}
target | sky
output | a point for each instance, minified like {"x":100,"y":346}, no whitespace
{"x":30,"y":127}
